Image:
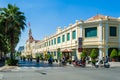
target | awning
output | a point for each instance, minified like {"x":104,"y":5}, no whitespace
{"x":67,"y":51}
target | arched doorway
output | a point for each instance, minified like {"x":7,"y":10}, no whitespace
{"x":67,"y":54}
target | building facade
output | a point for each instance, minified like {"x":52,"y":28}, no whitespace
{"x":99,"y":32}
{"x":30,"y":46}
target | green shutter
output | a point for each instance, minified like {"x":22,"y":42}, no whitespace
{"x":58,"y":40}
{"x":49,"y":43}
{"x":91,"y":32}
{"x":113,"y":31}
{"x":74,"y":34}
{"x":68,"y":36}
{"x":63,"y":38}
{"x":54,"y":40}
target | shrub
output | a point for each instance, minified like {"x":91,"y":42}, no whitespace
{"x":113,"y":53}
{"x":93,"y":61}
{"x":47,"y":56}
{"x":41,"y":57}
{"x":11,"y":62}
{"x":83,"y":55}
{"x":94,"y":54}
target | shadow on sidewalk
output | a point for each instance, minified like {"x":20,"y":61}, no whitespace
{"x":2,"y":63}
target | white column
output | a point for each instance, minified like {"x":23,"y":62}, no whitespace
{"x":77,"y":54}
{"x":77,"y":33}
{"x":76,"y":43}
{"x":107,"y":34}
{"x":71,"y":35}
{"x":100,"y":40}
{"x":100,"y":54}
{"x":100,"y":29}
{"x":119,"y":35}
{"x":106,"y":51}
{"x":81,"y":31}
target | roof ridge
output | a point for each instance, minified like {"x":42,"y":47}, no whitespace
{"x":99,"y":16}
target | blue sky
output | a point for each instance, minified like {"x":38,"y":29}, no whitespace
{"x":46,"y":15}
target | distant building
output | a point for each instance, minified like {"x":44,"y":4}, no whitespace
{"x":29,"y":49}
{"x":98,"y":32}
{"x":21,"y":48}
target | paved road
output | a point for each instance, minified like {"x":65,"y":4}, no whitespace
{"x":44,"y":71}
{"x":61,"y":73}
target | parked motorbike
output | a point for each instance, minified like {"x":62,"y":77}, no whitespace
{"x":100,"y":63}
{"x":106,"y":65}
{"x":79,"y":63}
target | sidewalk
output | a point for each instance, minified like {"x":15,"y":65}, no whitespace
{"x":114,"y":64}
{"x":7,"y":68}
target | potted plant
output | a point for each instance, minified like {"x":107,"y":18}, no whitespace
{"x":113,"y":54}
{"x":83,"y":55}
{"x":93,"y":56}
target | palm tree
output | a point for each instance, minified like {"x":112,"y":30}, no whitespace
{"x":4,"y":46}
{"x":13,"y":22}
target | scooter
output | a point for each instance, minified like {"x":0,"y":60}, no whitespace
{"x":79,"y":63}
{"x":106,"y":64}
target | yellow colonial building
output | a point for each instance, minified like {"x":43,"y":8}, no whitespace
{"x":30,"y":46}
{"x":99,"y":32}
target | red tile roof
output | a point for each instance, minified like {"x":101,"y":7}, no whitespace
{"x":99,"y":16}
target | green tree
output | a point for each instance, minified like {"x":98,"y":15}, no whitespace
{"x":83,"y":55}
{"x":4,"y":44}
{"x":93,"y":56}
{"x":113,"y":53}
{"x":47,"y":56}
{"x":12,"y":22}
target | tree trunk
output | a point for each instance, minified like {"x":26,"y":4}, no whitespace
{"x":12,"y":45}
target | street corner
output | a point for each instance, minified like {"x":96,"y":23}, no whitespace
{"x":7,"y":68}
